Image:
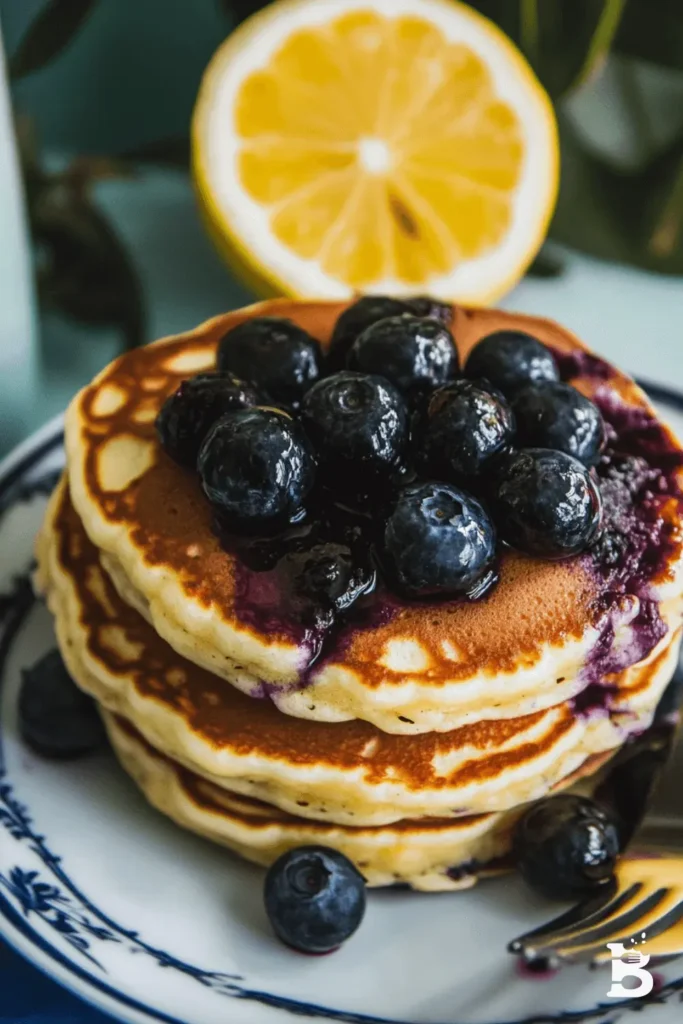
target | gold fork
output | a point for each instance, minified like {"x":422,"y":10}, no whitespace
{"x":642,"y":908}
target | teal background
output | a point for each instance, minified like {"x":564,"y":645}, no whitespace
{"x":129,"y":77}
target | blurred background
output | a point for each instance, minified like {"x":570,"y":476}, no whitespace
{"x":102,"y":246}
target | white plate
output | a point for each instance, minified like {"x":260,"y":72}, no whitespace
{"x":152,"y":924}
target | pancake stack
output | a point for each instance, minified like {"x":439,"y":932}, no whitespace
{"x":416,"y":735}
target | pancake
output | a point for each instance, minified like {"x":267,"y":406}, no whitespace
{"x":436,"y":854}
{"x":349,"y":773}
{"x":545,"y":634}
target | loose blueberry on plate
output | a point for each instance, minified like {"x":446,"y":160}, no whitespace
{"x":314,"y":898}
{"x":356,"y":319}
{"x":566,"y":847}
{"x":556,"y":415}
{"x":546,"y":503}
{"x":56,"y":719}
{"x":415,"y":353}
{"x":257,"y":468}
{"x":511,"y":359}
{"x":439,"y":540}
{"x":274,"y":354}
{"x":359,"y":426}
{"x":467,"y":424}
{"x":189,"y":413}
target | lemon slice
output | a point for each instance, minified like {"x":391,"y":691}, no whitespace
{"x":380,"y":146}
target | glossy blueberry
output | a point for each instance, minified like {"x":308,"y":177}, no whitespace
{"x":511,"y":359}
{"x":257,"y":467}
{"x":328,"y":577}
{"x":438,"y":540}
{"x":556,"y":415}
{"x":566,"y":847}
{"x":359,"y":426}
{"x":56,"y":719}
{"x":314,"y":898}
{"x":189,"y":413}
{"x":275,"y":355}
{"x":466,"y":425}
{"x":423,"y":305}
{"x":546,"y":503}
{"x":415,"y":353}
{"x":354,"y":320}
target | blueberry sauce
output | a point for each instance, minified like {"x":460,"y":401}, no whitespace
{"x":638,"y":477}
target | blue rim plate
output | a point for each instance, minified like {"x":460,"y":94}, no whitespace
{"x":153,"y":925}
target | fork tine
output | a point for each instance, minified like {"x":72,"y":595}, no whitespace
{"x":667,"y":927}
{"x":650,"y":908}
{"x":620,"y":923}
{"x":660,"y":919}
{"x":589,"y":911}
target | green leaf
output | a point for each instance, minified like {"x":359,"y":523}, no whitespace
{"x":85,"y":271}
{"x":628,"y":218}
{"x":49,"y":33}
{"x":564,"y":40}
{"x":652,"y":30}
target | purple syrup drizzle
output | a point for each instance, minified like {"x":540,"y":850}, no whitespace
{"x":638,"y":476}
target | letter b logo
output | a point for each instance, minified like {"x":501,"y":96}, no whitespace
{"x":632,"y":968}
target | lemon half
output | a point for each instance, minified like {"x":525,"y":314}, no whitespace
{"x":386,"y":146}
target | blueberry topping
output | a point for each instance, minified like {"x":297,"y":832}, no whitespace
{"x":189,"y":413}
{"x":354,"y":320}
{"x":566,"y":847}
{"x":423,"y":305}
{"x":467,"y":424}
{"x":416,"y":354}
{"x":511,"y":359}
{"x":274,"y":354}
{"x":56,"y":719}
{"x":257,"y":467}
{"x":547,"y":503}
{"x":439,"y":540}
{"x":314,"y":898}
{"x":328,"y":577}
{"x":555,"y":415}
{"x":359,"y":426}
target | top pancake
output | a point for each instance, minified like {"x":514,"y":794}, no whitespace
{"x":415,"y":668}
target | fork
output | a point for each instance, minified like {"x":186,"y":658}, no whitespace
{"x":643,"y":905}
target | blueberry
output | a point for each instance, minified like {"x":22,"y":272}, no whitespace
{"x":555,"y":415}
{"x":416,"y":354}
{"x":511,"y":359}
{"x":566,"y":847}
{"x":314,"y":898}
{"x":423,"y":305}
{"x":189,"y":413}
{"x":359,"y":426}
{"x":56,"y":719}
{"x":438,"y":540}
{"x":257,"y":467}
{"x":467,"y":424}
{"x":546,"y":503}
{"x":357,"y":318}
{"x":275,"y":355}
{"x":327,"y":578}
